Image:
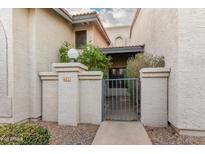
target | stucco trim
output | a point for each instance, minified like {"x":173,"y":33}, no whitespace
{"x":48,"y":76}
{"x":154,"y":72}
{"x":69,"y":67}
{"x":90,"y":75}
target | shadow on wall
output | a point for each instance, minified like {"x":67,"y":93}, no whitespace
{"x":5,"y":101}
{"x":3,"y":61}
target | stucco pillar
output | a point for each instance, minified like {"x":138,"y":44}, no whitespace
{"x":68,"y":92}
{"x":154,"y":96}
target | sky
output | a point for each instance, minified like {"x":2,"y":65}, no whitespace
{"x":109,"y":16}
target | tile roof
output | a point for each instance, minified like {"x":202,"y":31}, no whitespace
{"x":97,"y":20}
{"x":86,"y":13}
{"x":65,"y":11}
{"x":123,"y":49}
{"x":128,"y":46}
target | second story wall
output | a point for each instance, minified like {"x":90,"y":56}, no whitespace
{"x":98,"y":38}
{"x":119,"y":35}
{"x":157,"y":29}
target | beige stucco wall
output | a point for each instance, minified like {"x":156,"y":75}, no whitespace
{"x":98,"y":39}
{"x":119,"y":31}
{"x":71,"y":102}
{"x":178,"y":34}
{"x":50,"y":31}
{"x":191,"y":63}
{"x":50,"y":100}
{"x":6,"y":65}
{"x":154,"y":96}
{"x":157,"y":29}
{"x":21,"y":95}
{"x":34,"y":37}
{"x":90,"y":105}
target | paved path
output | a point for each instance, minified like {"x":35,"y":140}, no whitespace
{"x":121,"y":133}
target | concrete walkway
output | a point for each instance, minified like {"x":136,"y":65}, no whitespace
{"x":121,"y":133}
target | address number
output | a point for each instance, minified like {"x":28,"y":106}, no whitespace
{"x":66,"y":79}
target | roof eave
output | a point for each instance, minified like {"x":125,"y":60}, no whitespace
{"x":64,"y":14}
{"x":117,"y":50}
{"x":104,"y":31}
{"x":90,"y":17}
{"x":83,"y":18}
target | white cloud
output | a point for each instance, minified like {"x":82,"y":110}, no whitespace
{"x":74,"y":11}
{"x":110,"y":17}
{"x":116,"y":17}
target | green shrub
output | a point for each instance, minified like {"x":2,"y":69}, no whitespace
{"x":63,"y":52}
{"x":95,"y":60}
{"x":143,"y":60}
{"x":24,"y":134}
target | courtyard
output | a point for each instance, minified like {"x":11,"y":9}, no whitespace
{"x":84,"y":134}
{"x":77,"y":74}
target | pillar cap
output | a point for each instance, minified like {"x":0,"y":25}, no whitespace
{"x":158,"y":72}
{"x":69,"y":67}
{"x":48,"y":76}
{"x":91,"y":75}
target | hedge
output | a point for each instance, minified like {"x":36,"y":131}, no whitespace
{"x":23,"y":134}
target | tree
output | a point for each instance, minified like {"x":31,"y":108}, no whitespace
{"x":142,"y":60}
{"x":94,"y":59}
{"x":63,"y":56}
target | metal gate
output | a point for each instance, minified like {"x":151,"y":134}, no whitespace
{"x":120,"y":99}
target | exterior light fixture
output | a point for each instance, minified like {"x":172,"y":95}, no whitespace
{"x":73,"y":54}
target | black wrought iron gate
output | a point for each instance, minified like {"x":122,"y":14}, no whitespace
{"x":120,"y":99}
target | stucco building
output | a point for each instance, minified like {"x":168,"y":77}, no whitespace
{"x":30,"y":39}
{"x":119,"y":35}
{"x":120,"y":49}
{"x":178,"y":35}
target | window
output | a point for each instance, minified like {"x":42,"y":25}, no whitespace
{"x":80,"y":39}
{"x":116,"y":73}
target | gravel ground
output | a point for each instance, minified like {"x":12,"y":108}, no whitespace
{"x":83,"y":134}
{"x":167,"y":135}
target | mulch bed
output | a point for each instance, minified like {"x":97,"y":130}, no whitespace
{"x":167,"y":136}
{"x":83,"y":134}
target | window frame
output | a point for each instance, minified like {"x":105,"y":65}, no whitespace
{"x":81,"y":45}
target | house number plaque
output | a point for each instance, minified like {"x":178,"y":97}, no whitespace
{"x":66,"y":79}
